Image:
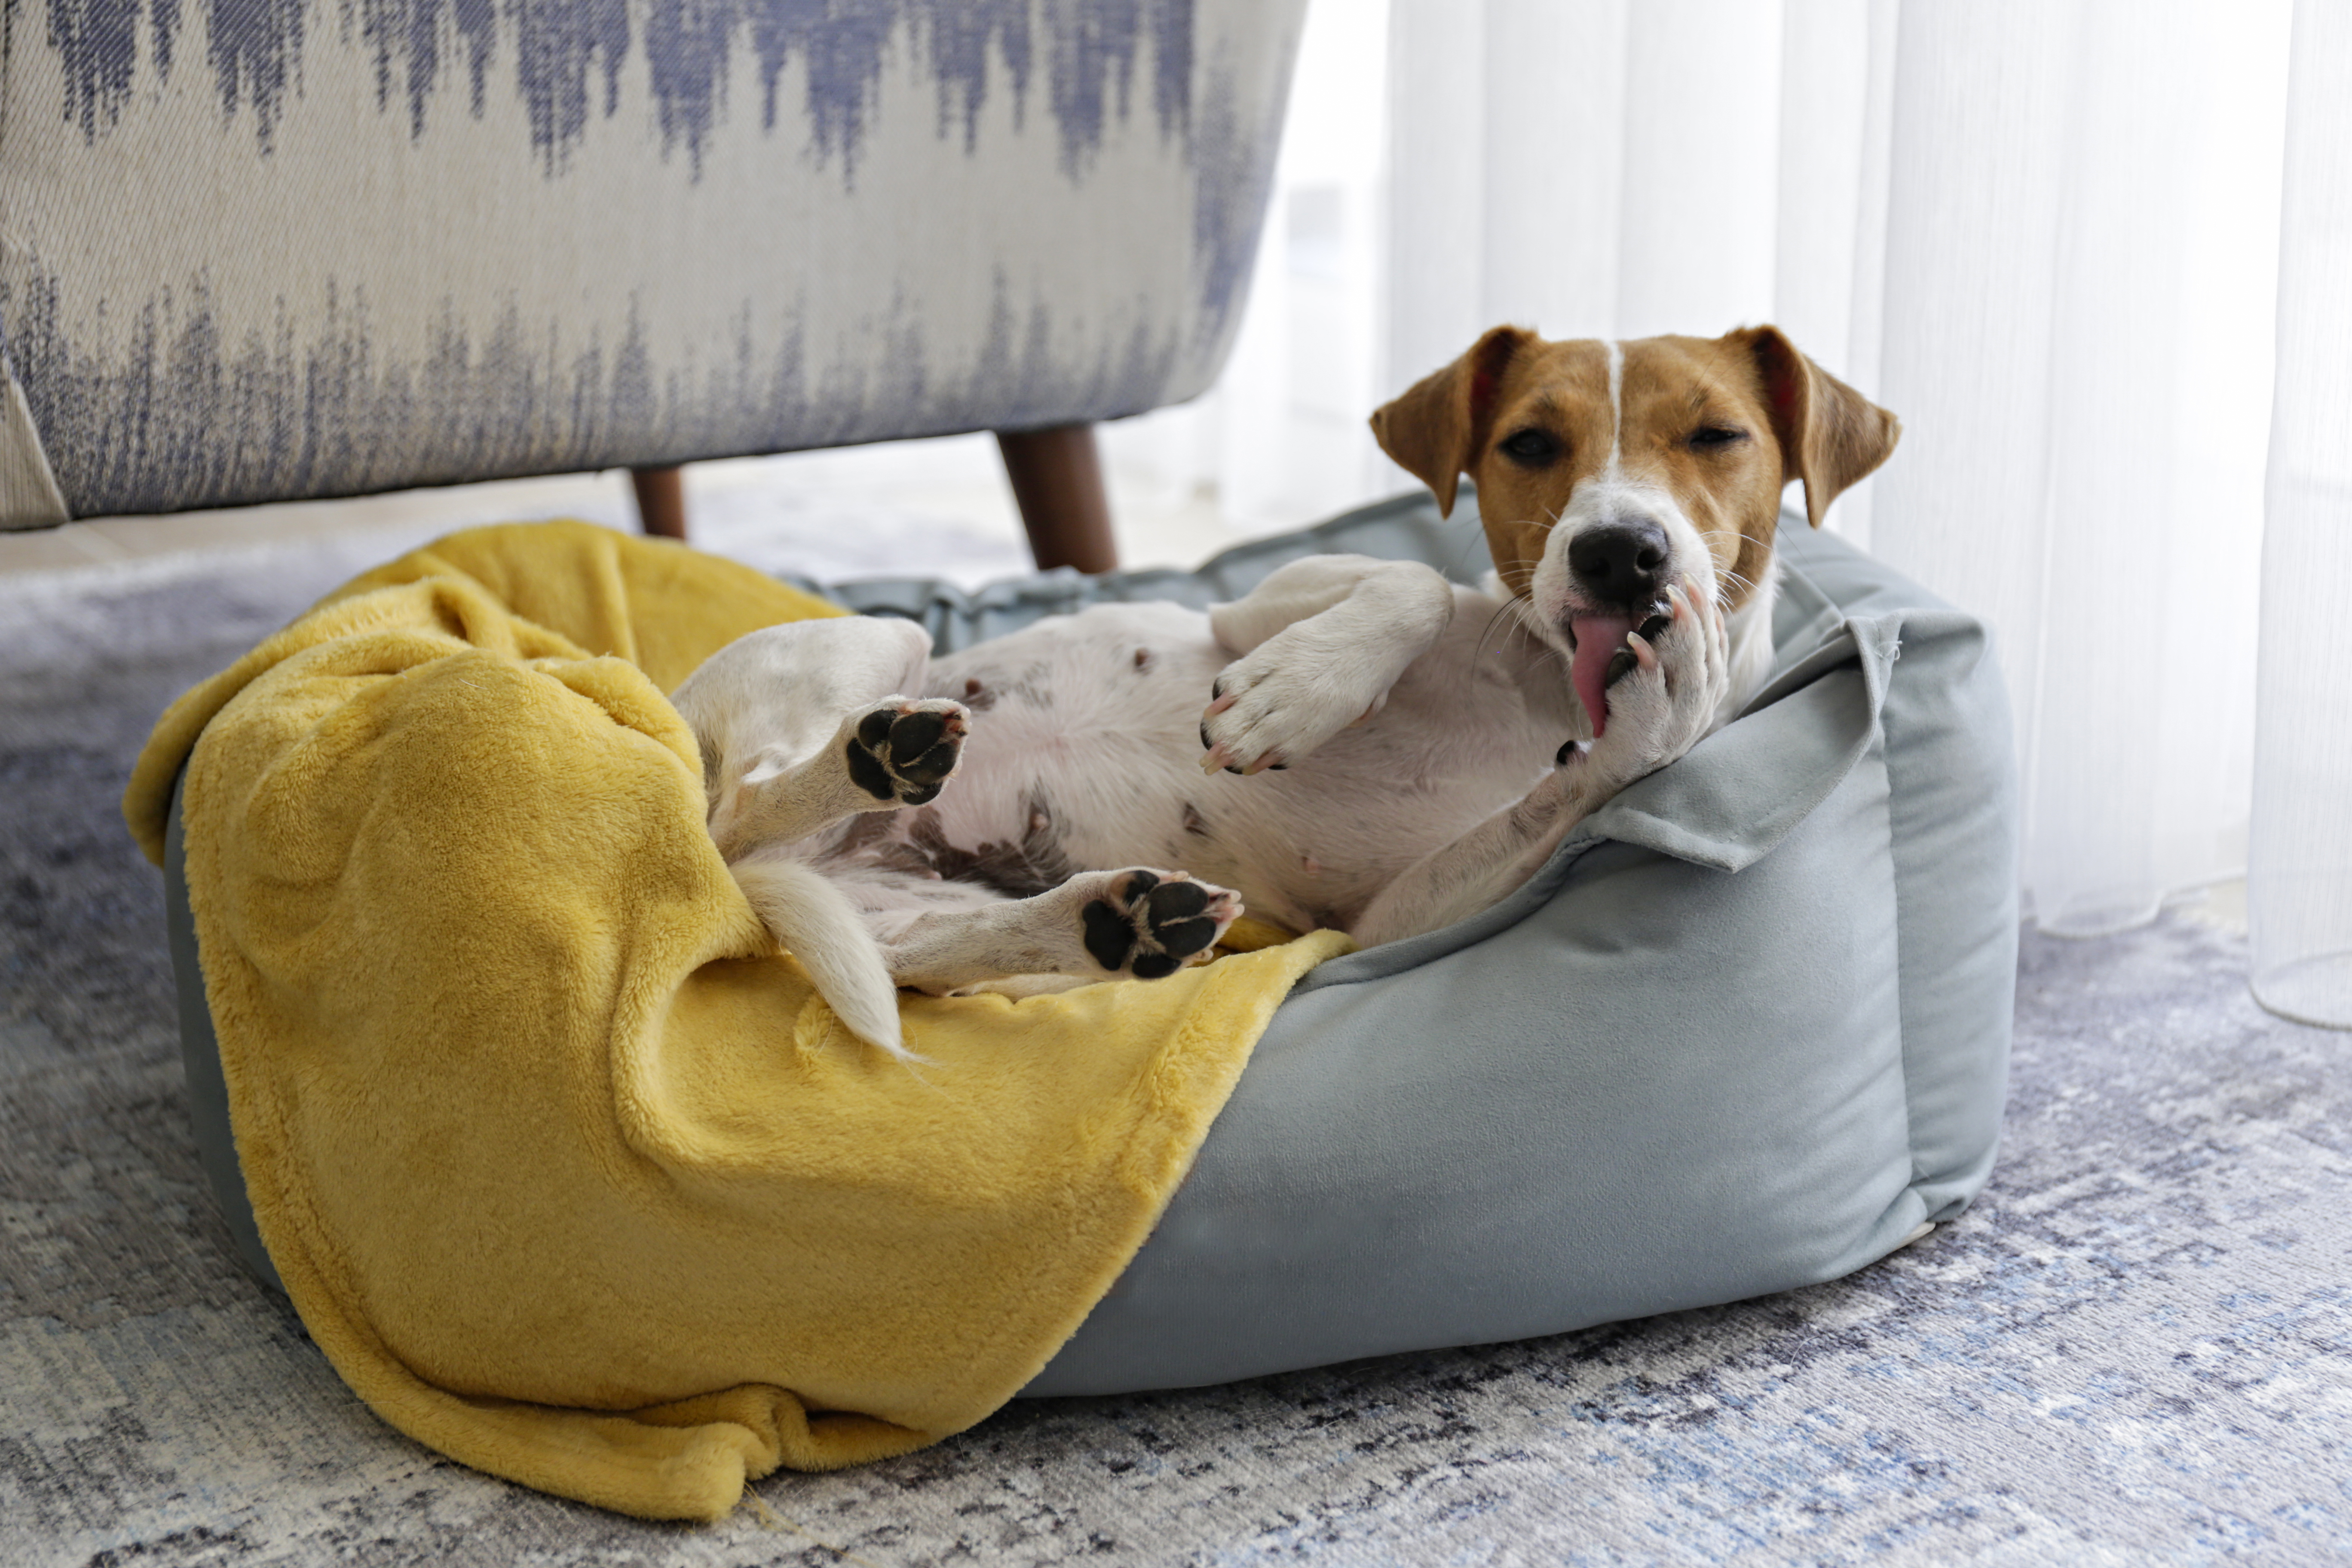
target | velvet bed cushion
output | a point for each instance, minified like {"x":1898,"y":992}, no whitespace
{"x":1747,"y":1030}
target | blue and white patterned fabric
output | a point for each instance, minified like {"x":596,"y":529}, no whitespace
{"x":260,"y":249}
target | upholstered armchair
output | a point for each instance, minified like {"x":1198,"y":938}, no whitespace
{"x":256,"y":252}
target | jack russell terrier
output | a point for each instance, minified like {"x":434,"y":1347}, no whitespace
{"x":1380,"y":751}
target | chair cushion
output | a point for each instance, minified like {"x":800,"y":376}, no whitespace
{"x":631,"y":233}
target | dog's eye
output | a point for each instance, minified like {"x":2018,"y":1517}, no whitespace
{"x":1708,"y":437}
{"x":1532,"y":447}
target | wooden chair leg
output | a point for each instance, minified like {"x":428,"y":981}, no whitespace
{"x":1058,"y":482}
{"x":661,"y":500}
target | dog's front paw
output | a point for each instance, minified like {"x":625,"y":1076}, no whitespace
{"x":1665,"y":687}
{"x":1273,"y":708}
{"x":904,"y":750}
{"x":1149,"y":923}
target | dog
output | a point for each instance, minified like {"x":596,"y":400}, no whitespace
{"x":1356,"y":744}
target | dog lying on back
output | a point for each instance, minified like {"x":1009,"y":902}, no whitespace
{"x":1356,"y":745}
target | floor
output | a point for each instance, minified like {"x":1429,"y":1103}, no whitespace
{"x":2132,"y":1350}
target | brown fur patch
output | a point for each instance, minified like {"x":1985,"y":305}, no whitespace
{"x":1034,"y":864}
{"x":1795,"y":420}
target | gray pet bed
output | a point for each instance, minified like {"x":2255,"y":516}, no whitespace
{"x":1747,"y":1030}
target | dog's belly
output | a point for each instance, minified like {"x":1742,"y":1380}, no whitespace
{"x":1085,"y":755}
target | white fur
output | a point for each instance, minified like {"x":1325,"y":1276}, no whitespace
{"x":819,"y":926}
{"x":1416,"y":722}
{"x":1613,"y":471}
{"x":1380,"y":752}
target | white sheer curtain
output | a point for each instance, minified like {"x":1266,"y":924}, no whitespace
{"x":2300,"y":884}
{"x":2047,"y":233}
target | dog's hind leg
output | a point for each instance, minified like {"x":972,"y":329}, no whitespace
{"x":803,"y":724}
{"x":1098,"y":925}
{"x":900,"y":751}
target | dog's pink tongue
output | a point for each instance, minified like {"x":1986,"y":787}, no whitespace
{"x":1598,"y":638}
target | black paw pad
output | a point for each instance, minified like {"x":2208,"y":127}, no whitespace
{"x":905,"y":757}
{"x":1620,"y":665}
{"x":1149,"y":926}
{"x":912,"y":734}
{"x":927,"y":767}
{"x":1110,"y":936}
{"x":1184,"y":939}
{"x":1655,"y":628}
{"x":1175,"y":901}
{"x":865,"y":769}
{"x":921,"y":751}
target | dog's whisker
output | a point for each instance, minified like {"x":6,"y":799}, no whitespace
{"x":1478,"y":652}
{"x":1526,"y":613}
{"x":1455,"y":564}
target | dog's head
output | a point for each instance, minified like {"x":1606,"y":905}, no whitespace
{"x":1608,"y":471}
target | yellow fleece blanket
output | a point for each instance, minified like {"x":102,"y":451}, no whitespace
{"x":568,"y":1172}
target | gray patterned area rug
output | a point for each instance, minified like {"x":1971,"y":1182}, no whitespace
{"x":2137,"y":1348}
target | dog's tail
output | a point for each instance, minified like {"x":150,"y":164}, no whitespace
{"x":816,"y":923}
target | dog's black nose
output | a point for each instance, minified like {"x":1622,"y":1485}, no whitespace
{"x":1620,"y":562}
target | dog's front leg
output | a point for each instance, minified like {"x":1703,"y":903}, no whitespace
{"x":1484,"y":864}
{"x":1660,"y":704}
{"x":1321,"y":641}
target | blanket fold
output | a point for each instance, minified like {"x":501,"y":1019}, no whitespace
{"x":571,"y":1175}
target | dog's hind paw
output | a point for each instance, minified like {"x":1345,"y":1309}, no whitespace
{"x":1149,"y":924}
{"x":905,"y":750}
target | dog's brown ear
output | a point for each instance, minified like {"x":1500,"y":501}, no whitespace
{"x":1830,"y":436}
{"x":1435,"y":428}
